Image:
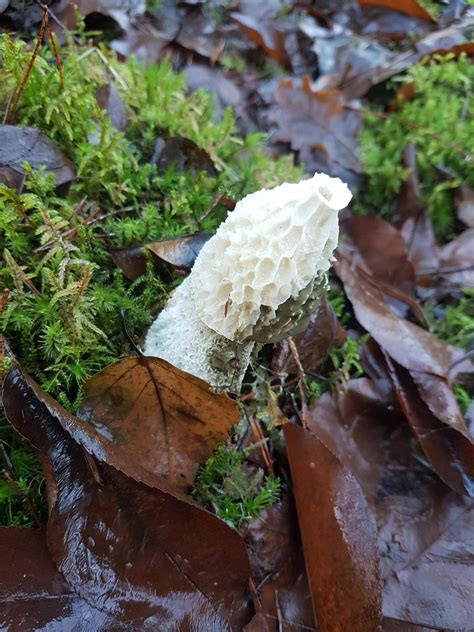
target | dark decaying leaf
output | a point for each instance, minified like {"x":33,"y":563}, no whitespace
{"x":339,"y":537}
{"x":430,"y":408}
{"x":28,"y":144}
{"x":412,"y":219}
{"x":320,"y":126}
{"x":322,"y":333}
{"x":465,"y":205}
{"x":132,"y":551}
{"x":171,"y":419}
{"x":264,"y":34}
{"x":175,"y":255}
{"x":411,"y":346}
{"x":456,"y":39}
{"x":183,"y":154}
{"x":449,"y":450}
{"x":409,"y":7}
{"x":224,"y":89}
{"x":278,"y":570}
{"x":381,"y":249}
{"x":457,"y":259}
{"x":33,"y":594}
{"x":109,"y":100}
{"x":425,"y":531}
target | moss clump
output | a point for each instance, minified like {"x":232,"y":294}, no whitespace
{"x":231,"y":489}
{"x":63,"y":313}
{"x":439,"y":119}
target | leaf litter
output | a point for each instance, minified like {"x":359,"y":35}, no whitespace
{"x":374,"y":527}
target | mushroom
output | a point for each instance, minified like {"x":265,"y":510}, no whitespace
{"x":256,"y":281}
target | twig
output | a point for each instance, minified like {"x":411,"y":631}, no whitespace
{"x":301,"y":381}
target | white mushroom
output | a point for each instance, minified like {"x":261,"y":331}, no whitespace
{"x":255,"y":281}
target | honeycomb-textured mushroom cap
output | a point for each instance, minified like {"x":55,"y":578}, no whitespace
{"x":267,"y":263}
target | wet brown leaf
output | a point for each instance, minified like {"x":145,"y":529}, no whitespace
{"x":426,"y":544}
{"x":132,"y":551}
{"x":457,"y":259}
{"x":322,"y":333}
{"x":409,"y":7}
{"x":411,"y":346}
{"x":424,"y":529}
{"x":319,"y":126}
{"x":168,"y":255}
{"x":456,"y":39}
{"x":381,"y":249}
{"x":339,"y":536}
{"x":443,"y":437}
{"x":33,"y":594}
{"x":28,"y":144}
{"x":264,"y":34}
{"x":278,"y":570}
{"x":171,"y":419}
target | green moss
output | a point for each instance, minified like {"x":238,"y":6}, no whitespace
{"x":454,"y":324}
{"x":440,"y":121}
{"x":62,"y":318}
{"x":232,"y":490}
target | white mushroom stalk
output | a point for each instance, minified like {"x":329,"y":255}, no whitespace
{"x":256,"y":280}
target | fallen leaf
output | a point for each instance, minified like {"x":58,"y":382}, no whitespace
{"x":320,"y":126}
{"x":149,"y":408}
{"x":424,"y":529}
{"x":409,"y":7}
{"x":465,"y":205}
{"x":445,"y":442}
{"x":278,"y":569}
{"x":33,"y":592}
{"x":132,"y":551}
{"x":426,"y":545}
{"x":322,"y":333}
{"x":198,"y":33}
{"x":457,"y":259}
{"x":411,"y":218}
{"x":224,"y":89}
{"x":339,"y":537}
{"x":183,"y":154}
{"x":176,"y":255}
{"x":411,"y":346}
{"x":28,"y":144}
{"x":265,"y":35}
{"x":456,"y":39}
{"x":109,"y":100}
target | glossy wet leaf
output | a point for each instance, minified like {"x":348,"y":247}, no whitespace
{"x":409,"y":7}
{"x":322,"y":333}
{"x":169,"y":420}
{"x":168,"y":255}
{"x":319,"y":126}
{"x":278,"y":570}
{"x":131,"y":550}
{"x":34,"y":594}
{"x":28,"y":144}
{"x":339,"y":536}
{"x":445,"y":441}
{"x":411,"y":346}
{"x":424,"y":529}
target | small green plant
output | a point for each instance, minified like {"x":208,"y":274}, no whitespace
{"x":439,"y":119}
{"x":232,"y":489}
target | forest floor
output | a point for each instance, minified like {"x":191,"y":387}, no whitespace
{"x":337,"y":486}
